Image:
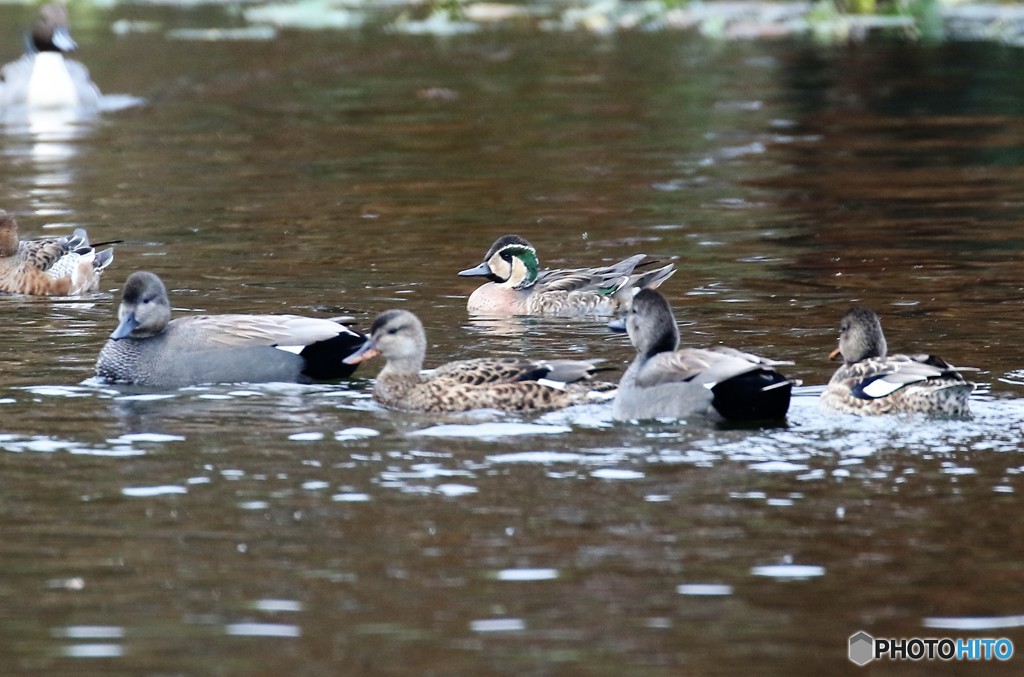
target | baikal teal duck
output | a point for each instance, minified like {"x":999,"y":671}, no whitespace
{"x":871,"y":382}
{"x":504,"y":383}
{"x":517,"y":286}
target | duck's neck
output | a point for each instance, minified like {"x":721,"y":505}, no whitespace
{"x":666,"y":342}
{"x":396,"y":379}
{"x":8,"y":240}
{"x":524,"y":271}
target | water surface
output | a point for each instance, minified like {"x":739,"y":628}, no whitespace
{"x":283,"y":529}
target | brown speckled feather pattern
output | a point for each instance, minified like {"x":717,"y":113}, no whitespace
{"x":445,"y":395}
{"x":63,"y":266}
{"x":919,"y":387}
{"x":508,"y":384}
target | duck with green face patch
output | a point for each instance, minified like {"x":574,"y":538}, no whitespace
{"x":871,"y":382}
{"x":517,"y":286}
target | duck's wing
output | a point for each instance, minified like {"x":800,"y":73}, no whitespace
{"x":281,"y":331}
{"x":493,"y":370}
{"x":698,"y":365}
{"x":874,"y":378}
{"x":44,"y":253}
{"x":606,"y":279}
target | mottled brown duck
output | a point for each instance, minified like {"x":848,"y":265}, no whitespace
{"x":504,"y":383}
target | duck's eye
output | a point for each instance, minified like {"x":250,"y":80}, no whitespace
{"x":393,"y":330}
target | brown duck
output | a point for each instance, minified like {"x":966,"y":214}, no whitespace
{"x":871,"y":381}
{"x":63,"y":266}
{"x":504,"y":383}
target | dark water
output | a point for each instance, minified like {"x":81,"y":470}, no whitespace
{"x":279,"y":529}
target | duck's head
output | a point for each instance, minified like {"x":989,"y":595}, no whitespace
{"x":860,"y":336}
{"x":144,"y":310}
{"x":397,"y":335}
{"x":50,"y":32}
{"x":511,"y":261}
{"x":650,"y":324}
{"x":8,"y":234}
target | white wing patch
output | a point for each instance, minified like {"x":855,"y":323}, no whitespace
{"x":880,"y":388}
{"x":557,"y":385}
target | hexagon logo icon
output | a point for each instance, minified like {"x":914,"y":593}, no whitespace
{"x":862,"y":648}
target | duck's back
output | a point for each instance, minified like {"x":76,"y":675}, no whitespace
{"x":899,"y":384}
{"x":719,"y":384}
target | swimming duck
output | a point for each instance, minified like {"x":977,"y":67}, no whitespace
{"x":63,"y":266}
{"x":44,"y":77}
{"x":721,"y":384}
{"x":518,"y":287}
{"x":872,"y":382}
{"x":505,"y":383}
{"x":149,"y":348}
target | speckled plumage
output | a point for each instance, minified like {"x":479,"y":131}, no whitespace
{"x":63,"y":266}
{"x":149,"y":348}
{"x":871,"y":382}
{"x":717,"y":383}
{"x":505,"y":383}
{"x":518,"y":287}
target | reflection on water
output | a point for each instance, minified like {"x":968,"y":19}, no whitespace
{"x":287,"y":529}
{"x":49,"y":138}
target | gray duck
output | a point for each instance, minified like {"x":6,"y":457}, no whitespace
{"x":148,"y":348}
{"x":664,"y":381}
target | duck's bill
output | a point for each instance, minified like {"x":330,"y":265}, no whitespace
{"x":835,"y":354}
{"x":63,"y":41}
{"x":483,"y":270}
{"x":618,"y":325}
{"x":125,"y":327}
{"x":366,"y":351}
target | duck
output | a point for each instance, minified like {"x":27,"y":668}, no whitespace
{"x":517,"y":286}
{"x":872,"y":382}
{"x":509,"y":384}
{"x":44,"y":78}
{"x":62,"y":266}
{"x":148,"y":348}
{"x":719,"y":384}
